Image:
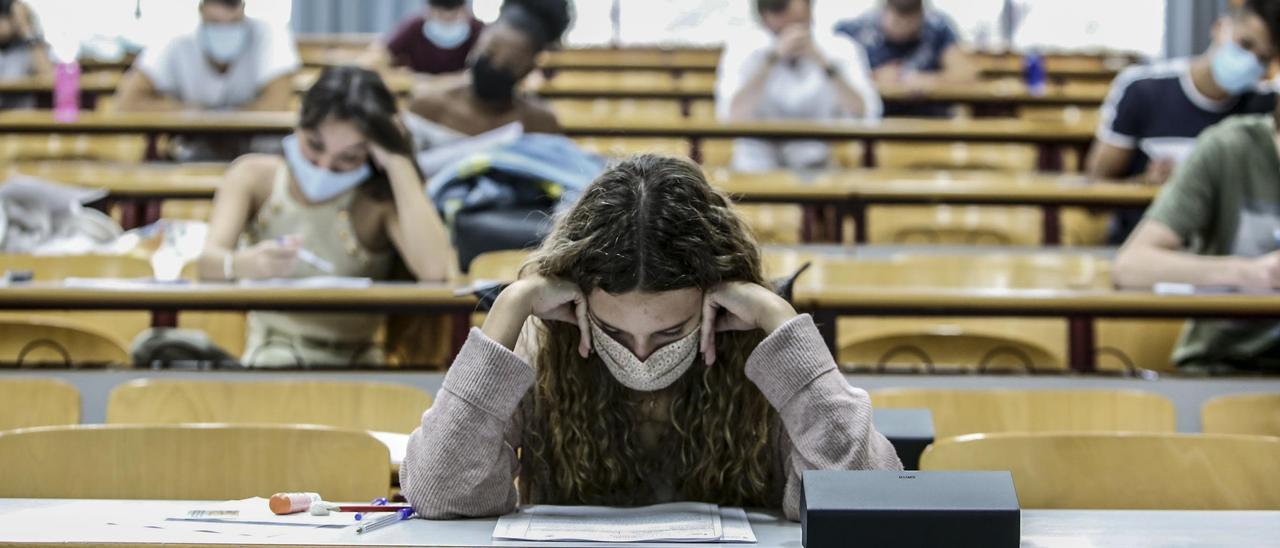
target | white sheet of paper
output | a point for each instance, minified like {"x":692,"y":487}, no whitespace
{"x":736,"y":526}
{"x":396,"y":444}
{"x":312,"y":282}
{"x":255,"y":511}
{"x":121,"y":283}
{"x":674,"y":522}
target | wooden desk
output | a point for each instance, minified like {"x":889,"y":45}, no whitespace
{"x":850,"y":193}
{"x":92,"y":86}
{"x":81,"y":523}
{"x":165,"y":300}
{"x":999,"y":93}
{"x":152,"y":125}
{"x":1080,"y":307}
{"x":138,"y":190}
{"x":1050,"y":136}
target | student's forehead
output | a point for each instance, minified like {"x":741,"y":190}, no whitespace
{"x":218,"y":12}
{"x":337,"y":133}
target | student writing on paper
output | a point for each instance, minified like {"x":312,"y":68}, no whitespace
{"x":791,"y":70}
{"x":1151,"y":108}
{"x":487,"y":95}
{"x":436,"y":41}
{"x":639,"y":359}
{"x":1217,"y":223}
{"x":347,"y":193}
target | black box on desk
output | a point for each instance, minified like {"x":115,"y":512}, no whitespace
{"x":841,"y":508}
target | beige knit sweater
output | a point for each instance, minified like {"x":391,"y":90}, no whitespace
{"x":462,"y":461}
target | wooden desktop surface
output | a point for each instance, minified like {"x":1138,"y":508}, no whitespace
{"x":199,"y":181}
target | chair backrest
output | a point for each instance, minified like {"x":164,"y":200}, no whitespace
{"x":959,"y":412}
{"x":196,"y":462}
{"x":1124,"y":471}
{"x":501,"y":266}
{"x":47,"y":339}
{"x":1257,"y":414}
{"x":925,"y":349}
{"x":30,"y":401}
{"x":988,"y":271}
{"x":356,"y":405}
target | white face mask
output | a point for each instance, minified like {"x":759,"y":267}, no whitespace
{"x":319,"y":184}
{"x":223,"y":42}
{"x":446,"y":35}
{"x":663,"y":367}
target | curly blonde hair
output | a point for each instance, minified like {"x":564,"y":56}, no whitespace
{"x":648,"y":224}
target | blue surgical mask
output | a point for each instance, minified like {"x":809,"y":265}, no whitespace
{"x":319,"y":184}
{"x":1235,"y":70}
{"x":223,"y":42}
{"x":446,"y":35}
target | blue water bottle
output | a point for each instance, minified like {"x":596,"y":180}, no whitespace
{"x":1034,"y":73}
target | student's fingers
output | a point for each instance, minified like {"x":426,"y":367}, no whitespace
{"x":281,"y":253}
{"x":584,"y":341}
{"x":708,"y":345}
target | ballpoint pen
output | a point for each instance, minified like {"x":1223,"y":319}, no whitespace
{"x":383,"y":521}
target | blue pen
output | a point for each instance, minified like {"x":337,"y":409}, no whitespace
{"x":380,"y":501}
{"x":403,"y":514}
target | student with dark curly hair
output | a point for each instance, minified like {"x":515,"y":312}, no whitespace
{"x":639,"y":359}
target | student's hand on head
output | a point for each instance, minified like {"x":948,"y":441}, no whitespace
{"x":740,"y":306}
{"x":383,"y":157}
{"x":1158,"y":171}
{"x":1262,"y":273}
{"x":268,"y":259}
{"x":557,"y":301}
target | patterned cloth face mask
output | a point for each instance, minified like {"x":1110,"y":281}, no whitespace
{"x":663,"y":367}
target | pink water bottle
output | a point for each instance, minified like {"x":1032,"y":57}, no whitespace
{"x":66,"y":92}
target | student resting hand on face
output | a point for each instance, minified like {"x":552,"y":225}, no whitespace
{"x":346,"y":192}
{"x":640,"y":359}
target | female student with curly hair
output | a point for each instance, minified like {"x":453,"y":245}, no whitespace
{"x":638,"y":360}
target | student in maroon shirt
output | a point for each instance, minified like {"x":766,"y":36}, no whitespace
{"x":436,"y":41}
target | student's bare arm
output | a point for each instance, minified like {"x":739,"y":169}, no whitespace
{"x":276,"y":96}
{"x":958,"y":65}
{"x":1154,"y":253}
{"x":236,"y":201}
{"x":1107,"y":161}
{"x":137,"y":93}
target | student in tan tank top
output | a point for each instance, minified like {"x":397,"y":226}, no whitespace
{"x":346,"y":191}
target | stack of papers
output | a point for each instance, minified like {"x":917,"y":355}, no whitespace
{"x":675,"y":522}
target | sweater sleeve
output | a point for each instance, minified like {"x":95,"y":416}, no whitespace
{"x":461,"y":462}
{"x":826,"y":422}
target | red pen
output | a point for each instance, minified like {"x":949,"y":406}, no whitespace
{"x":372,"y":508}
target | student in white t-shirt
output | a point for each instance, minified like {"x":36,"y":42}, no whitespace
{"x":229,"y":62}
{"x":790,"y":70}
